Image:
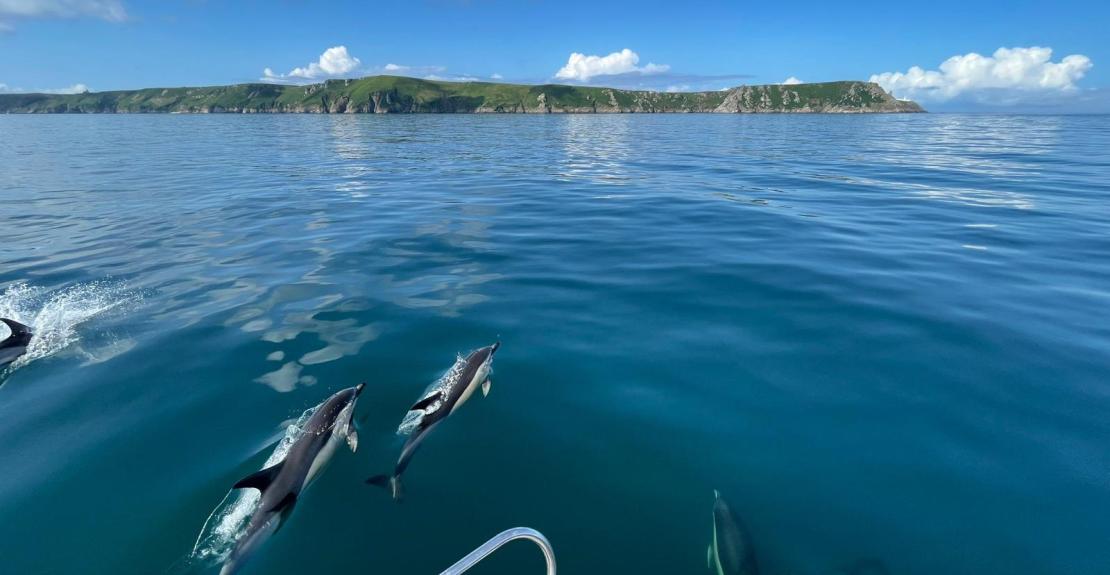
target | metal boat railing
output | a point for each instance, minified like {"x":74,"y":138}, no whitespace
{"x":475,"y":556}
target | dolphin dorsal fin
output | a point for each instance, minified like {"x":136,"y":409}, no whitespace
{"x":259,"y":480}
{"x":427,"y":401}
{"x":19,"y":331}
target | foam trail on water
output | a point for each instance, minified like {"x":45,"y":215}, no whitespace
{"x":55,"y":316}
{"x":229,"y":519}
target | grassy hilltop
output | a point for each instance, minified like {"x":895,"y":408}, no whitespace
{"x":396,"y":94}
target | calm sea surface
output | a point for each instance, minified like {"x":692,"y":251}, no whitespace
{"x":884,"y":339}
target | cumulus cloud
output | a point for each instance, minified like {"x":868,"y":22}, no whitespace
{"x":581,"y":67}
{"x":110,"y":10}
{"x":1006,"y":76}
{"x":335,"y":61}
{"x":497,"y":76}
{"x":74,"y":89}
{"x":791,"y":81}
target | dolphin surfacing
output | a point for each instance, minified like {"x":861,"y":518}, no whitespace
{"x":15,"y":345}
{"x":283,"y":482}
{"x":731,"y":551}
{"x":440,"y":400}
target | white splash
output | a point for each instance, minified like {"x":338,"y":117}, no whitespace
{"x":442,"y":385}
{"x":229,"y":519}
{"x":55,"y":316}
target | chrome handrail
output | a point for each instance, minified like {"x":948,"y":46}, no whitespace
{"x":500,"y":539}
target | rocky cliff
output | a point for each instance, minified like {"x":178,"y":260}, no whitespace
{"x":827,"y":98}
{"x":394,"y":94}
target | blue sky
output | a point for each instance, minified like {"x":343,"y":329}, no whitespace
{"x":119,"y":44}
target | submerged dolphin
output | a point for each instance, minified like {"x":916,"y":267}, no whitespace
{"x":440,"y":400}
{"x":15,"y":344}
{"x":731,"y":551}
{"x":282,"y":483}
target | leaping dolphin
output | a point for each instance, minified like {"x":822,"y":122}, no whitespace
{"x":441,"y":399}
{"x":731,"y":551}
{"x":282,"y":483}
{"x":15,"y":344}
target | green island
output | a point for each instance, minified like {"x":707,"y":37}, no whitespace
{"x":397,"y":94}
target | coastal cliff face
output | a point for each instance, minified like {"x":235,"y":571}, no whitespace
{"x":826,"y":98}
{"x":399,"y":95}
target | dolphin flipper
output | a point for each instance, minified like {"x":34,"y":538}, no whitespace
{"x":259,"y":480}
{"x":709,"y":557}
{"x":352,"y":439}
{"x":485,"y":387}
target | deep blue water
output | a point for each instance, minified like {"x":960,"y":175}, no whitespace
{"x":883,"y":338}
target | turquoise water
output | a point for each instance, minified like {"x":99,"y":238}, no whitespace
{"x":883,"y":338}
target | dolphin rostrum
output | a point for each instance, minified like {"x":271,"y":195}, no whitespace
{"x":281,"y":483}
{"x":441,"y":399}
{"x":15,"y":344}
{"x":731,"y":551}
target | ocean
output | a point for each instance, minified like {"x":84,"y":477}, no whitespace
{"x":885,"y":339}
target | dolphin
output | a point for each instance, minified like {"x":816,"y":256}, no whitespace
{"x":281,"y":483}
{"x":15,"y":344}
{"x":441,"y":399}
{"x":731,"y":551}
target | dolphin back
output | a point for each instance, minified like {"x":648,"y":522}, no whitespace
{"x":328,"y":414}
{"x":733,"y":544}
{"x":433,"y":400}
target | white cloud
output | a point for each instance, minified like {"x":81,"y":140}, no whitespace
{"x":333,"y":62}
{"x":74,"y":89}
{"x":110,"y":10}
{"x":496,"y":76}
{"x":791,"y":81}
{"x":1007,"y":75}
{"x":451,"y":78}
{"x":678,"y":88}
{"x":581,"y":67}
{"x":406,"y":70}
